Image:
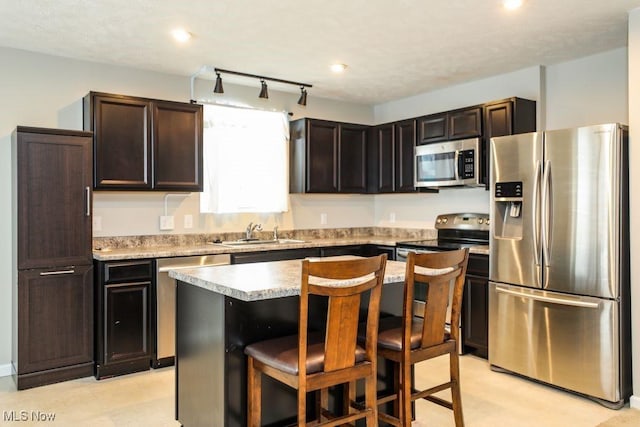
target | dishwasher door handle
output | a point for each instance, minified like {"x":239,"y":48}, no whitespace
{"x":187,"y":267}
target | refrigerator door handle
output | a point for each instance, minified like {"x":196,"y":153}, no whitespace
{"x":552,"y":300}
{"x":536,"y":212}
{"x":547,"y":219}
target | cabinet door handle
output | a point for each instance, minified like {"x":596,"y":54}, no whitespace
{"x":88,"y":191}
{"x":53,"y":273}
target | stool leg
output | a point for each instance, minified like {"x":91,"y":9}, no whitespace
{"x":371,"y":400}
{"x":302,"y":405}
{"x":405,"y":394}
{"x":456,"y":398}
{"x":254,"y":389}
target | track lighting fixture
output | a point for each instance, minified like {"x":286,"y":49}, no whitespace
{"x":263,"y":90}
{"x":303,"y":96}
{"x":218,"y":88}
{"x":264,"y":93}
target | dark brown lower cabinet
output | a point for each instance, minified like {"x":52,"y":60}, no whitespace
{"x":123,"y":321}
{"x":126,"y":318}
{"x":475,"y":318}
{"x":54,"y":333}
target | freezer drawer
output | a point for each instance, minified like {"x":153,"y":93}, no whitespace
{"x":564,"y":340}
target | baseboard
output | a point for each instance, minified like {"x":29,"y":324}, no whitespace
{"x":634,"y":402}
{"x":5,"y":370}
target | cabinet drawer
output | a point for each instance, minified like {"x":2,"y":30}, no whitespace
{"x":478,"y":265}
{"x":127,"y":271}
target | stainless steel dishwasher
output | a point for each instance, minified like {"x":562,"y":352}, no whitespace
{"x":166,"y":301}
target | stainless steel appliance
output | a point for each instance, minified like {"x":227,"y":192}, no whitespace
{"x":166,"y":301}
{"x":559,"y":266}
{"x":449,"y":163}
{"x":455,"y":231}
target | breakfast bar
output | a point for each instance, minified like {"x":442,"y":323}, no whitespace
{"x":222,"y":309}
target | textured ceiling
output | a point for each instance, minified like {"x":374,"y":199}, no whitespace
{"x":393,"y":49}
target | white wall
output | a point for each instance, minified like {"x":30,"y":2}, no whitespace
{"x":523,"y":83}
{"x":634,"y":189}
{"x":587,"y":91}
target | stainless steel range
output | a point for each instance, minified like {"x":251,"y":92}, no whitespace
{"x":455,"y":231}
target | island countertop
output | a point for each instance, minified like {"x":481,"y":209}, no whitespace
{"x":262,"y":280}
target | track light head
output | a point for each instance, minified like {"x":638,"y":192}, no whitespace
{"x":263,"y":90}
{"x":218,"y":88}
{"x":303,"y":96}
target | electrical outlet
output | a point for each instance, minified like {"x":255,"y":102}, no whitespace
{"x":188,"y":221}
{"x":392,"y":217}
{"x":166,"y":222}
{"x":97,"y":223}
{"x":323,"y":219}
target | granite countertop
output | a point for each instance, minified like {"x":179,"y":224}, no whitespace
{"x":277,"y":279}
{"x":164,"y":251}
{"x":216,"y":248}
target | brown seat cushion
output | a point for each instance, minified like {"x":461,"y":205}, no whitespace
{"x":390,"y":333}
{"x":282,"y":353}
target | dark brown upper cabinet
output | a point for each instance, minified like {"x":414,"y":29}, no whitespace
{"x":53,"y":195}
{"x":327,"y":157}
{"x":509,"y":117}
{"x":506,"y":117}
{"x":391,"y":157}
{"x":457,"y":124}
{"x":144,"y":144}
{"x":177,"y":146}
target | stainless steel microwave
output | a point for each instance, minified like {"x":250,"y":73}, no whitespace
{"x":449,"y":163}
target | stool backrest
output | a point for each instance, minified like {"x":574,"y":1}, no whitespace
{"x":359,"y":275}
{"x":452,"y":268}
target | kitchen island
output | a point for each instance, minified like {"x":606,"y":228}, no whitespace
{"x":219,"y":311}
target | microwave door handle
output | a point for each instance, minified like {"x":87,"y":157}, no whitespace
{"x":456,"y":162}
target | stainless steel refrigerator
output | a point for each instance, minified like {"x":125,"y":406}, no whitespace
{"x":559,"y":297}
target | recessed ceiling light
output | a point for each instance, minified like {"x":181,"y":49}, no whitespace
{"x":181,"y":35}
{"x":512,"y":4}
{"x":338,"y":68}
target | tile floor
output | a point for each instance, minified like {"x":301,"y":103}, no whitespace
{"x":147,"y":399}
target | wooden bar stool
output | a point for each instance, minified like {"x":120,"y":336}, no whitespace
{"x":315,"y":361}
{"x":408,"y":340}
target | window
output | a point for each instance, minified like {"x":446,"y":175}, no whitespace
{"x":246,"y":164}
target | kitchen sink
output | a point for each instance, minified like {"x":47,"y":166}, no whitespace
{"x":253,"y":242}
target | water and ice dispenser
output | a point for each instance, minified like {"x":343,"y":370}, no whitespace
{"x":508,"y":210}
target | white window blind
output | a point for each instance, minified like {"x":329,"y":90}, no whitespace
{"x":246,"y":162}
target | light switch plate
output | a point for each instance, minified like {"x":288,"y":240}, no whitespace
{"x":97,"y":223}
{"x":323,"y":219}
{"x":188,"y":221}
{"x":166,"y":222}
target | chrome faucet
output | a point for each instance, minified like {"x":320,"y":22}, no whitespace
{"x":251,"y":228}
{"x":275,"y":232}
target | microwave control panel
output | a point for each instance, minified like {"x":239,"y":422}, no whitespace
{"x":466,"y":162}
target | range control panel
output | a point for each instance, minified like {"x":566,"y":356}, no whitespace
{"x":463,"y":221}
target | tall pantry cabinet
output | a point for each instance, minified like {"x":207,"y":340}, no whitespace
{"x":52,"y":269}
